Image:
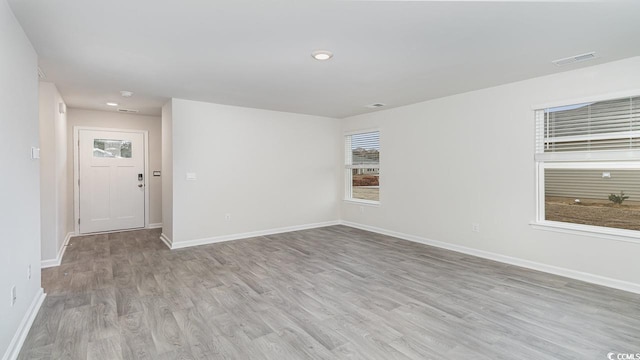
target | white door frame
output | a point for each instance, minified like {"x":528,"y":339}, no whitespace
{"x":76,"y":171}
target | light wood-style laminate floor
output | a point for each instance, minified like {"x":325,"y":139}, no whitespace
{"x":328,"y":293}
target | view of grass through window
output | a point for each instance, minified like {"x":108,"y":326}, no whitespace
{"x":366,"y":185}
{"x":597,"y":197}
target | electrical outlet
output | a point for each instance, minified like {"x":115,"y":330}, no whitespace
{"x":227,"y":217}
{"x":29,"y":272}
{"x":475,"y":227}
{"x":13,"y":295}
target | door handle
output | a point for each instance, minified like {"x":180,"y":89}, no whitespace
{"x":140,"y":185}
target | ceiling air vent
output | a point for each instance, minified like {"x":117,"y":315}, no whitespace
{"x":574,"y":59}
{"x":128,"y":111}
{"x":375,"y":106}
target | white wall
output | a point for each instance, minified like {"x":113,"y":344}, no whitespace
{"x":267,"y":169}
{"x":167,"y":168}
{"x":115,"y":120}
{"x":468,"y":158}
{"x":62,"y":180}
{"x":20,"y":179}
{"x":54,"y":207}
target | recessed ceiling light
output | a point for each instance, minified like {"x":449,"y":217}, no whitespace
{"x":126,"y":93}
{"x":322,"y":55}
{"x":112,"y":104}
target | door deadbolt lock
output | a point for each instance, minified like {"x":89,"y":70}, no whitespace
{"x":139,"y":177}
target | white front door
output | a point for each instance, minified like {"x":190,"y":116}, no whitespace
{"x":112,"y":180}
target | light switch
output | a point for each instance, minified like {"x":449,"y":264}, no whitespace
{"x":191,"y":176}
{"x":35,"y":153}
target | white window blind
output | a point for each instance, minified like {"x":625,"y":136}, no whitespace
{"x":598,"y":130}
{"x":362,"y":150}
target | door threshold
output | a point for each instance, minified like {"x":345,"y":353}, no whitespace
{"x":112,"y":231}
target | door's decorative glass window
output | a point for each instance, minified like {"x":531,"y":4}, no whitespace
{"x":109,"y":148}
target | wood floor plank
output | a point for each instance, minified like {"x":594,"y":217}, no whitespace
{"x":273,"y":347}
{"x":106,"y":348}
{"x":127,"y":301}
{"x":37,"y":353}
{"x":72,"y":339}
{"x":165,"y":331}
{"x":229,"y":328}
{"x":105,"y":314}
{"x":305,"y":344}
{"x":135,"y":338}
{"x":48,"y":320}
{"x":203,"y":338}
{"x":326,"y":293}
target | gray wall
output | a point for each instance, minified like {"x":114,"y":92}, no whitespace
{"x":167,"y":168}
{"x":20,"y":179}
{"x":253,"y":164}
{"x":53,"y":173}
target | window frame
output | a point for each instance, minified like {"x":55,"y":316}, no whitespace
{"x":604,"y":160}
{"x":348,"y":176}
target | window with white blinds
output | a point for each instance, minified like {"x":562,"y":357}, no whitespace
{"x":362,"y":166}
{"x":588,"y":165}
{"x":602,"y":129}
{"x":363,"y":150}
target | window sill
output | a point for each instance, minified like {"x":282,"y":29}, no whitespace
{"x":363,"y":202}
{"x":587,"y":230}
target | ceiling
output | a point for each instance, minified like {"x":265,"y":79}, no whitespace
{"x":257,"y":53}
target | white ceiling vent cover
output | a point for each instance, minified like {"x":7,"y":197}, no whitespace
{"x":128,"y":111}
{"x":574,"y":59}
{"x":375,"y":106}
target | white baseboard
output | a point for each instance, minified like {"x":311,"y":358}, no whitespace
{"x":58,"y":259}
{"x":217,"y":239}
{"x":165,"y":239}
{"x":25,"y":325}
{"x":154,"y":226}
{"x":573,"y":274}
